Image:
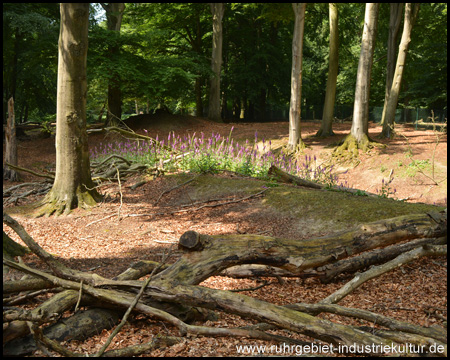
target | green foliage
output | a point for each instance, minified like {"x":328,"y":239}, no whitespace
{"x":417,"y":166}
{"x":30,"y":41}
{"x":386,"y":189}
{"x":165,"y":50}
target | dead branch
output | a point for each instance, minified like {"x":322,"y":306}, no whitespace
{"x":205,"y":256}
{"x":358,"y":280}
{"x":12,"y":188}
{"x":30,"y":171}
{"x":330,"y":271}
{"x":315,"y":309}
{"x":291,"y":179}
{"x":288,"y":178}
{"x":174,"y":188}
{"x":200,"y":207}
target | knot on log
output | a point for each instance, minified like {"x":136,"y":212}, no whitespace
{"x":190,"y":240}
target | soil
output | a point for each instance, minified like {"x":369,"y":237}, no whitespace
{"x":106,"y":239}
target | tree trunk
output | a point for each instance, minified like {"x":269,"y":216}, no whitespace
{"x":411,"y":12}
{"x":73,"y":186}
{"x":295,"y":138}
{"x":114,"y":13}
{"x":330,"y":95}
{"x":359,"y":132}
{"x":360,"y":125}
{"x":394,"y":26}
{"x":77,"y":327}
{"x":217,"y":10}
{"x":198,"y":97}
{"x":10,"y":145}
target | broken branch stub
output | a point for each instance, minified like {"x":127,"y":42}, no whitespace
{"x":190,"y":240}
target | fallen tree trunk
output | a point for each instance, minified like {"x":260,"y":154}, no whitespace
{"x":206,"y":256}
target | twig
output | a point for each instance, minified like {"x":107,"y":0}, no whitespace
{"x":265,"y":283}
{"x":120,"y":192}
{"x":139,"y":183}
{"x":175,"y":187}
{"x":165,"y":242}
{"x":5,"y":192}
{"x":110,"y":157}
{"x":30,"y":171}
{"x":79,"y":297}
{"x":131,"y":307}
{"x":96,"y":221}
{"x":201,"y":207}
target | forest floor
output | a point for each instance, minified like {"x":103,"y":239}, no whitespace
{"x":103,"y":241}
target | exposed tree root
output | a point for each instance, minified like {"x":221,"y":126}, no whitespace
{"x":324,"y":133}
{"x":348,"y":149}
{"x":54,"y":203}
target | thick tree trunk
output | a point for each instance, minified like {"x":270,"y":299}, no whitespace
{"x":411,"y":12}
{"x":80,"y":326}
{"x":359,"y":132}
{"x":73,"y":186}
{"x":217,"y":10}
{"x":360,"y":124}
{"x":295,"y":137}
{"x":10,"y":144}
{"x":394,"y":26}
{"x":330,"y":95}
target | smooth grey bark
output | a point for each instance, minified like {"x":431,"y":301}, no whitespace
{"x":360,"y":124}
{"x":395,"y":20}
{"x":217,"y":10}
{"x":330,"y":95}
{"x":411,"y":12}
{"x":296,"y":77}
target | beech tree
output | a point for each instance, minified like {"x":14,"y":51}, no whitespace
{"x":73,"y":186}
{"x":217,"y":10}
{"x":359,"y":132}
{"x":330,"y":95}
{"x":411,"y":11}
{"x":114,"y":13}
{"x":295,"y":139}
{"x":395,"y":19}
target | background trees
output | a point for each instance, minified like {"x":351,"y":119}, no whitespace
{"x":165,"y":56}
{"x":217,"y":10}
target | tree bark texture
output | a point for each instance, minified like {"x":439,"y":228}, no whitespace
{"x":296,"y":77}
{"x":395,"y":20}
{"x":330,"y":95}
{"x":73,"y":185}
{"x":217,"y":10}
{"x":10,"y":144}
{"x":360,"y":124}
{"x":411,"y":12}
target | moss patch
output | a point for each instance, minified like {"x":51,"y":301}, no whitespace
{"x":310,"y":211}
